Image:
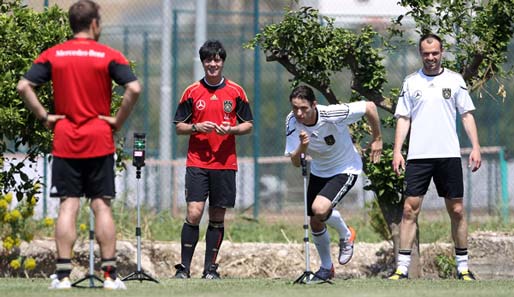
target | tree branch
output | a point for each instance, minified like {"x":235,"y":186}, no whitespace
{"x":283,"y":59}
{"x":471,"y":70}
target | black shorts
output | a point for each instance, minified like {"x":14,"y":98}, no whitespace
{"x":447,"y":174}
{"x":333,"y":188}
{"x":218,"y":185}
{"x":90,"y":177}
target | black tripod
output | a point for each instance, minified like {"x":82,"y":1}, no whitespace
{"x":91,"y":277}
{"x":307,"y":275}
{"x":138,"y":160}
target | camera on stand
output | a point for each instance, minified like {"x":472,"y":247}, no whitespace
{"x":138,"y":153}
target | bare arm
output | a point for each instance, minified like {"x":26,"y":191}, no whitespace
{"x":302,"y":149}
{"x":402,"y":128}
{"x":374,"y":121}
{"x":27,"y":93}
{"x":475,"y":159}
{"x":130,"y":96}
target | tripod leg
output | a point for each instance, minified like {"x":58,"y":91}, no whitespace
{"x":91,"y":277}
{"x":140,"y":276}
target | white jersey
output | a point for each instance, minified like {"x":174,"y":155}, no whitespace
{"x":431,"y":103}
{"x":330,"y":145}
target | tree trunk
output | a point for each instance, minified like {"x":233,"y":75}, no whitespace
{"x":393,"y":216}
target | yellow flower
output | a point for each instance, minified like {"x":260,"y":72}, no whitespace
{"x":33,"y":200}
{"x":8,"y":197}
{"x":83,"y":227}
{"x":8,"y":243}
{"x":15,"y":215}
{"x":37,"y":186}
{"x":3,"y":204}
{"x":15,"y":264}
{"x":48,"y":222}
{"x":7,"y":218}
{"x":7,"y":246}
{"x":29,"y":264}
{"x":17,"y":242}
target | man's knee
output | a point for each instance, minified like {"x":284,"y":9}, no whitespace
{"x":194,"y":213}
{"x":456,"y":211}
{"x":320,"y":211}
{"x":217,"y":214}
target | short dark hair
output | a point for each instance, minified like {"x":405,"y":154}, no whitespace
{"x":428,"y":36}
{"x":81,"y":14}
{"x":212,"y":48}
{"x":303,"y":92}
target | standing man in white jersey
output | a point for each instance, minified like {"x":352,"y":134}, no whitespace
{"x":428,"y":105}
{"x":322,"y":133}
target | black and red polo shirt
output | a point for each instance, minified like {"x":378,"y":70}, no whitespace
{"x":81,"y":71}
{"x":201,"y":102}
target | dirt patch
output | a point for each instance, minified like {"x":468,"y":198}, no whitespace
{"x":491,"y":257}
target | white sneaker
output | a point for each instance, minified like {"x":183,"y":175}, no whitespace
{"x":346,"y":247}
{"x":116,"y":284}
{"x":57,"y":284}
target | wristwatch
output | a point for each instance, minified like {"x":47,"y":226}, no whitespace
{"x":193,"y":128}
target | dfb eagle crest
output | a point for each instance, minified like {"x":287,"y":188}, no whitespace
{"x":227,"y":106}
{"x":447,"y":93}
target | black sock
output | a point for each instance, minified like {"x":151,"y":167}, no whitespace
{"x":63,"y":268}
{"x":213,"y":240}
{"x":405,"y":252}
{"x":188,"y":240}
{"x":109,"y":268}
{"x":461,"y":251}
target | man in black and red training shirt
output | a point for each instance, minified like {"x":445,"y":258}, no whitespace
{"x":81,"y":71}
{"x":212,"y":111}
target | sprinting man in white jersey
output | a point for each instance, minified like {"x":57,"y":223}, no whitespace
{"x":428,"y":105}
{"x":322,"y":133}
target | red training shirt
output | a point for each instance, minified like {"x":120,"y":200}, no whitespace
{"x":81,"y":71}
{"x":201,"y":102}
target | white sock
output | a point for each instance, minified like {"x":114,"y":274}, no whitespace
{"x":322,"y":242}
{"x":404,"y":262}
{"x":462,"y":262}
{"x":336,"y":221}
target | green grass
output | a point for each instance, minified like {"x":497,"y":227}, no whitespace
{"x":279,"y":228}
{"x":272,"y":288}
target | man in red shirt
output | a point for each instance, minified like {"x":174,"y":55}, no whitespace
{"x":82,"y":71}
{"x":212,"y":111}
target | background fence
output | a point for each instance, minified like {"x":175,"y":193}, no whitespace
{"x":161,"y":38}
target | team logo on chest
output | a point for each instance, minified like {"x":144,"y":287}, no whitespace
{"x":200,"y":105}
{"x":447,"y":93}
{"x":227,"y":106}
{"x":330,"y":140}
{"x":417,"y":94}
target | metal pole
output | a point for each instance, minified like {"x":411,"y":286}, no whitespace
{"x":174,"y":87}
{"x":138,"y":228}
{"x":165,"y":104}
{"x":45,"y":185}
{"x":146,"y":99}
{"x":305,"y":216}
{"x":256,"y":111}
{"x":91,"y":246}
{"x":505,"y":187}
{"x":200,"y":35}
